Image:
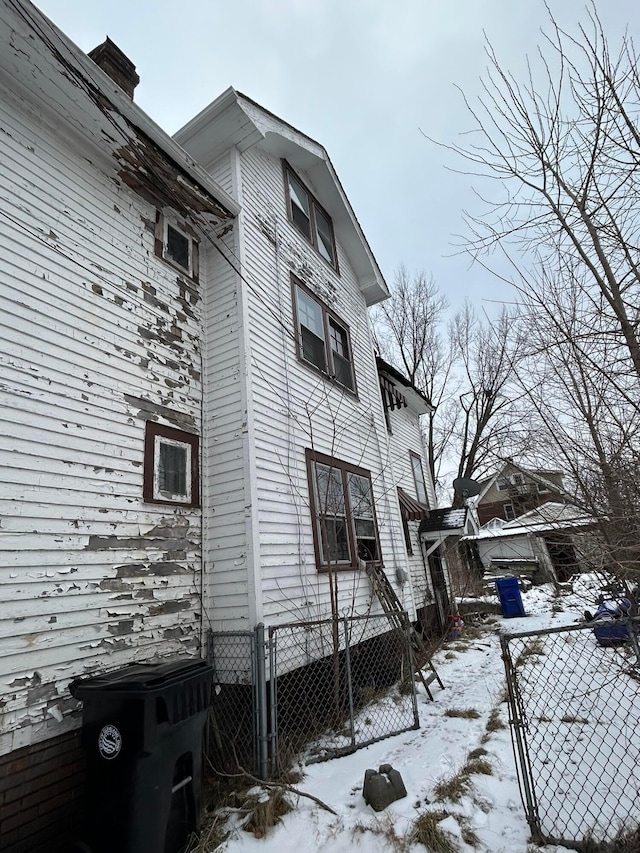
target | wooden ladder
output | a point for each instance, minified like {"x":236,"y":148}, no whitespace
{"x":391,"y":605}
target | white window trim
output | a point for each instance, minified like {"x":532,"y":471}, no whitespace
{"x":158,"y":494}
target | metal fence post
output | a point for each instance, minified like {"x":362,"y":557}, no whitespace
{"x":347,"y":659}
{"x":412,"y":671}
{"x":262,"y":729}
{"x":273,"y":715}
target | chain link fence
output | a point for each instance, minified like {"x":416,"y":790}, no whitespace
{"x":311,"y":690}
{"x":575,"y":715}
{"x":340,"y":685}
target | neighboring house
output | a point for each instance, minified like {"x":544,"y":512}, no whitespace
{"x":546,"y":543}
{"x":514,"y":490}
{"x":194,"y":431}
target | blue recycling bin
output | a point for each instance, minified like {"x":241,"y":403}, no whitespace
{"x":510,"y":598}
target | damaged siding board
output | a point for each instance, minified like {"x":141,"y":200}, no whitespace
{"x":98,"y":335}
{"x":292,"y":403}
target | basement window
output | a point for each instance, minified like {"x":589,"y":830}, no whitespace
{"x":171,"y":466}
{"x":176,"y":243}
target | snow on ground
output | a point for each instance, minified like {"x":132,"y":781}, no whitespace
{"x":473,"y":674}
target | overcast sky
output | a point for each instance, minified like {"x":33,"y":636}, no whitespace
{"x":363,"y":77}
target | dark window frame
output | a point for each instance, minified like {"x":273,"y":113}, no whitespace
{"x":345,"y":468}
{"x":154,"y":430}
{"x":507,"y":507}
{"x":164,"y":221}
{"x":416,"y":457}
{"x":314,"y":205}
{"x":328,"y":317}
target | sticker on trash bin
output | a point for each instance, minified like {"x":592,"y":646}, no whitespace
{"x":109,"y":742}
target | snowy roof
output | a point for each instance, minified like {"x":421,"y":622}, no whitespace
{"x":448,"y":518}
{"x":548,"y":516}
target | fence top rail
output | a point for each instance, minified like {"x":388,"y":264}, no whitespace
{"x":231,"y":633}
{"x":506,"y":636}
{"x":311,"y":623}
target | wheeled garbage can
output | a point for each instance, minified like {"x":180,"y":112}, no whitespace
{"x":509,"y":595}
{"x":142,"y":730}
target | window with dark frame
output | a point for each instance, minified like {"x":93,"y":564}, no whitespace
{"x":176,"y":244}
{"x":306,"y":213}
{"x":322,"y":339}
{"x":345,"y":529}
{"x":418,"y":478}
{"x":171,"y":466}
{"x":509,"y":512}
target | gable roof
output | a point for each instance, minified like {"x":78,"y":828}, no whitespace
{"x":536,"y":476}
{"x":233,"y":119}
{"x":50,"y":72}
{"x":547,"y":517}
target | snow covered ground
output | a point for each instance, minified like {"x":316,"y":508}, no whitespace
{"x":473,"y":674}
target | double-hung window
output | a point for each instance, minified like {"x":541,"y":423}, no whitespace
{"x":323,"y":340}
{"x":345,"y":530}
{"x":418,"y":479}
{"x":171,"y":466}
{"x":309,"y":217}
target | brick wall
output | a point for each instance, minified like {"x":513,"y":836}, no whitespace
{"x":41,"y":790}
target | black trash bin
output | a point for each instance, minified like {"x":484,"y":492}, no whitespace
{"x":142,"y":730}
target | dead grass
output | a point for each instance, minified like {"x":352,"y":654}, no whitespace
{"x":572,"y":718}
{"x":383,"y":827}
{"x":494,"y":723}
{"x":425,"y":830}
{"x":480,"y":752}
{"x":469,"y":836}
{"x":533,"y":648}
{"x":626,"y":841}
{"x":462,"y":713}
{"x":453,"y":789}
{"x":265,"y":811}
{"x":477,"y":766}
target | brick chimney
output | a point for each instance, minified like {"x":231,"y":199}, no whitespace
{"x":118,"y":66}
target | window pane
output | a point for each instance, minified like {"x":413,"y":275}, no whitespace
{"x":177,"y":247}
{"x":335,"y":542}
{"x":418,"y":477}
{"x":311,"y":330}
{"x":360,"y":496}
{"x":172,"y":469}
{"x":299,"y":206}
{"x":332,"y":521}
{"x":325,"y":236}
{"x":340,"y":354}
{"x":329,"y":490}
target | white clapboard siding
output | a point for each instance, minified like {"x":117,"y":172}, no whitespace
{"x":295,"y":408}
{"x":91,"y":577}
{"x":406,"y":438}
{"x":226,"y":585}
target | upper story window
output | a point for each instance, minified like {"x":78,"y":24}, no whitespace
{"x":309,"y":217}
{"x":177,"y":244}
{"x":171,"y":466}
{"x":323,"y":340}
{"x":418,"y":479}
{"x":345,"y":530}
{"x":509,"y":512}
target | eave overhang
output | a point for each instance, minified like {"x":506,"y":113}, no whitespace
{"x":42,"y":66}
{"x":234,"y":119}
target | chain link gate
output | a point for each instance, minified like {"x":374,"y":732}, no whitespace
{"x":317,"y":689}
{"x":575,"y":723}
{"x":339,"y":685}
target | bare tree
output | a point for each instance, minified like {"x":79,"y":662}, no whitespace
{"x":564,"y":147}
{"x":465,"y":369}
